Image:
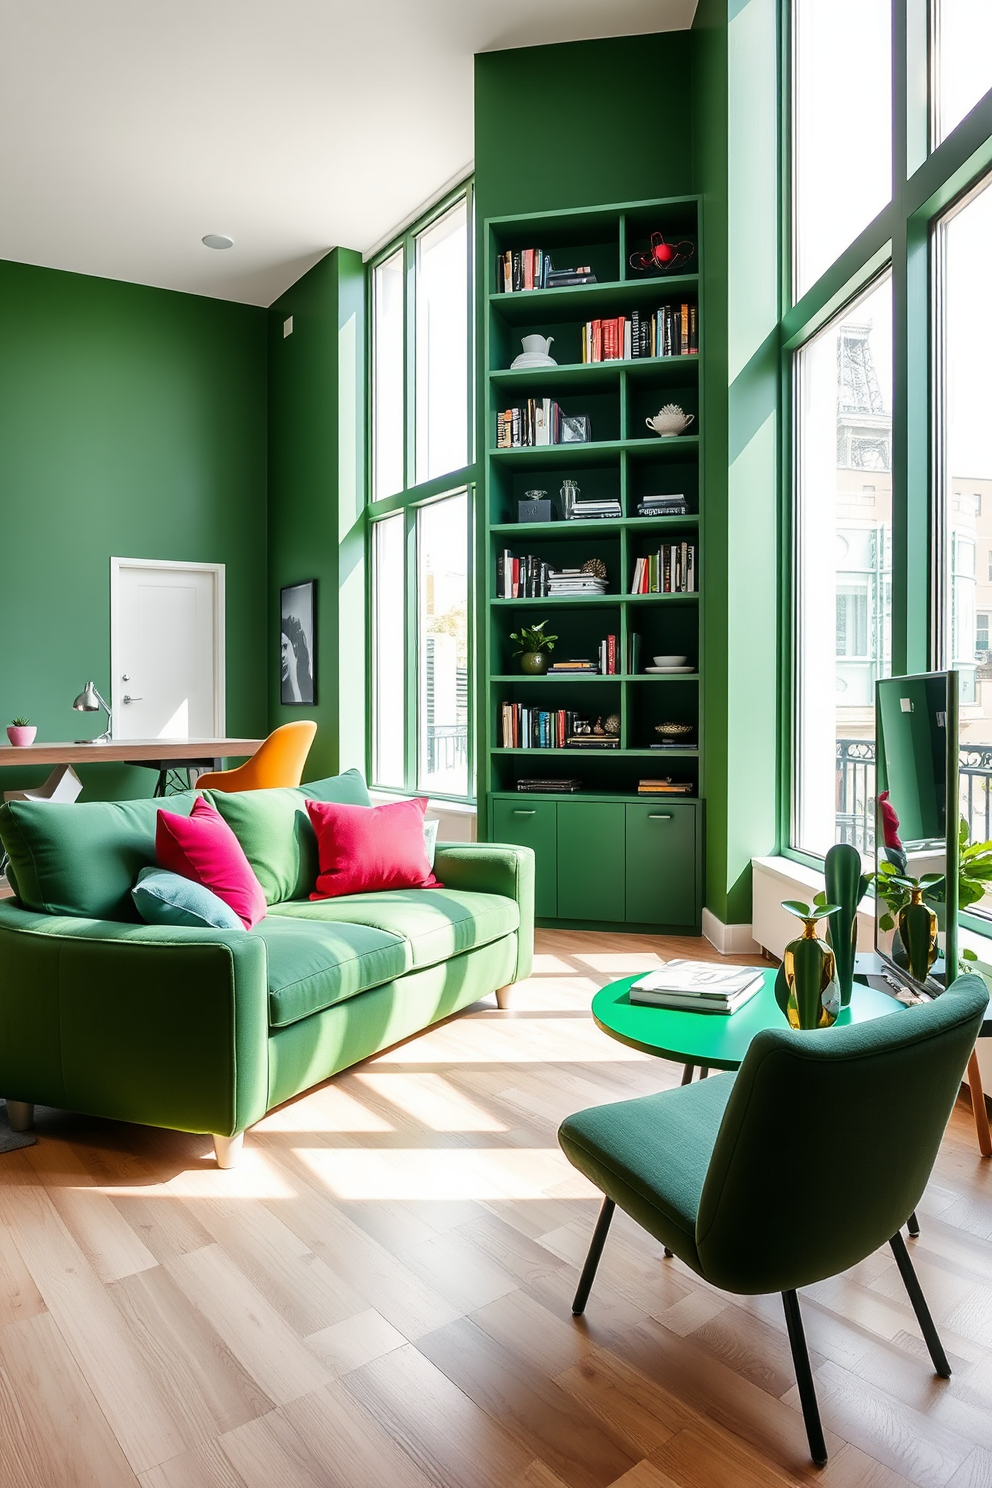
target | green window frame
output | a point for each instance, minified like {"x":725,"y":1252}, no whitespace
{"x":929,"y":176}
{"x":399,"y":652}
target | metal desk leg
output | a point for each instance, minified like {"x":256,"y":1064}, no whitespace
{"x":688,"y":1073}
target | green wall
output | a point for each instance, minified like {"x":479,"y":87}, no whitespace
{"x":582,"y":123}
{"x":317,"y":492}
{"x":132,"y":424}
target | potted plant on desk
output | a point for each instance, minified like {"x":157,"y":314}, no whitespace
{"x":21,"y":732}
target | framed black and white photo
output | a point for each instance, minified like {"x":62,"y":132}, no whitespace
{"x":575,"y":428}
{"x":298,"y":643}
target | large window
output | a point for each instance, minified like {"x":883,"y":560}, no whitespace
{"x":962,"y":52}
{"x":889,"y":461}
{"x":421,"y":509}
{"x":842,"y":127}
{"x":962,"y":253}
{"x":843,"y":566}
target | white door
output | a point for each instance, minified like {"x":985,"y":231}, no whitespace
{"x":167,"y":649}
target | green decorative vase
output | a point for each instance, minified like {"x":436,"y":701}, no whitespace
{"x":918,"y":933}
{"x":806,"y":986}
{"x":845,"y":886}
{"x":535,"y":663}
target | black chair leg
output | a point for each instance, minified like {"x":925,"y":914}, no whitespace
{"x":913,"y":1225}
{"x":804,"y":1379}
{"x":920,"y":1307}
{"x":592,"y":1259}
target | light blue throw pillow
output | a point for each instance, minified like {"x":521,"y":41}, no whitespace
{"x":163,"y":898}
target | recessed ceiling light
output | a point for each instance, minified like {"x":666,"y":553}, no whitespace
{"x":217,"y":240}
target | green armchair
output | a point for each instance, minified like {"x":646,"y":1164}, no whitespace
{"x":800,"y":1165}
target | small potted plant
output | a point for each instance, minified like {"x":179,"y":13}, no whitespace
{"x":533,"y":648}
{"x":21,"y":732}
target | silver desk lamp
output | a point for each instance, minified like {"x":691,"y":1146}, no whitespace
{"x":90,"y":701}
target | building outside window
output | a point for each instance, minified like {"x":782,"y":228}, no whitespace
{"x":420,"y":511}
{"x":962,"y":252}
{"x":843,"y":567}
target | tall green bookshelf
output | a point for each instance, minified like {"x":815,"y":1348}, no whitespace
{"x":605,"y":855}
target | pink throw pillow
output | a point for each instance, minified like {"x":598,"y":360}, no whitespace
{"x":203,"y":848}
{"x":363,"y":848}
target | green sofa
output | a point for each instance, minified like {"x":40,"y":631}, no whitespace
{"x":207,"y":1030}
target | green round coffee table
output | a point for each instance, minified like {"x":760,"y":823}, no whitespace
{"x":712,"y":1040}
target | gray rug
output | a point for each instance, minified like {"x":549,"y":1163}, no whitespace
{"x":10,"y":1141}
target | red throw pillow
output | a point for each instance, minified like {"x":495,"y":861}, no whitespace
{"x":203,"y":848}
{"x":362,"y":848}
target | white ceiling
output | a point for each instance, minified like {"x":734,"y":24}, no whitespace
{"x":130,"y":128}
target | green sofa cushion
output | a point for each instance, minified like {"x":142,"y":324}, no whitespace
{"x":82,"y":858}
{"x":313,"y":966}
{"x":275,"y":832}
{"x":435,"y":923}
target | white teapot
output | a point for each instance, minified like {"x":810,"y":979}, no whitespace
{"x":670,"y":420}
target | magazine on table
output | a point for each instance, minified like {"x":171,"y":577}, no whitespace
{"x":698,"y":986}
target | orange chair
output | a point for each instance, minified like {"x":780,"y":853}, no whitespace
{"x":279,"y":760}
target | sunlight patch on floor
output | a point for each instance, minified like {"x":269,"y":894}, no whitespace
{"x":480,"y":1174}
{"x":253,"y":1178}
{"x":616,"y":964}
{"x":432,"y":1100}
{"x":330,"y":1109}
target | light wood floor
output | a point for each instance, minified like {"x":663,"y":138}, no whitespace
{"x":379,"y":1296}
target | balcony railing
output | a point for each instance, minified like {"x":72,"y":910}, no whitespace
{"x":447,"y":747}
{"x":855,"y":787}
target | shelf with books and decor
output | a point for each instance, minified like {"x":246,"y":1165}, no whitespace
{"x":591,"y":400}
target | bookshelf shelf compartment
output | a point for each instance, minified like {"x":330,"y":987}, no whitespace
{"x":625,"y":463}
{"x":591,"y":301}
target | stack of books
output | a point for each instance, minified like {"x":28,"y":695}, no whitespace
{"x":531,"y":268}
{"x":552,"y":784}
{"x":662,"y":506}
{"x":536,"y":422}
{"x":666,"y":787}
{"x":672,"y":570}
{"x":672,"y":330}
{"x":521,"y":578}
{"x":584,"y":508}
{"x":523,"y":727}
{"x":578,"y":667}
{"x":698,"y":987}
{"x":593,"y":741}
{"x":562,"y":581}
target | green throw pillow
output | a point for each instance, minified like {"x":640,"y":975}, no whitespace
{"x":82,"y":858}
{"x":275,"y":832}
{"x":163,"y":898}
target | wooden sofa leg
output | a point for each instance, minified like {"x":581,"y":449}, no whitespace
{"x":503,"y":995}
{"x":228,"y":1150}
{"x":20,"y":1114}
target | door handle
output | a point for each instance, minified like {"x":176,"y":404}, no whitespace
{"x":532,"y":812}
{"x":659,"y":816}
{"x":126,"y":699}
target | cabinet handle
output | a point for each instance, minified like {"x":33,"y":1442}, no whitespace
{"x":532,"y":812}
{"x":659,"y":816}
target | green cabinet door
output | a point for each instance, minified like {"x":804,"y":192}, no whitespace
{"x":590,"y":860}
{"x":662,"y":863}
{"x":533,"y":824}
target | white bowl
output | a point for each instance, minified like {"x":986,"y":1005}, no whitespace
{"x":669,"y":661}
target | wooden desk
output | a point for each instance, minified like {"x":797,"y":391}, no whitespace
{"x":148,"y":752}
{"x":161,"y":755}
